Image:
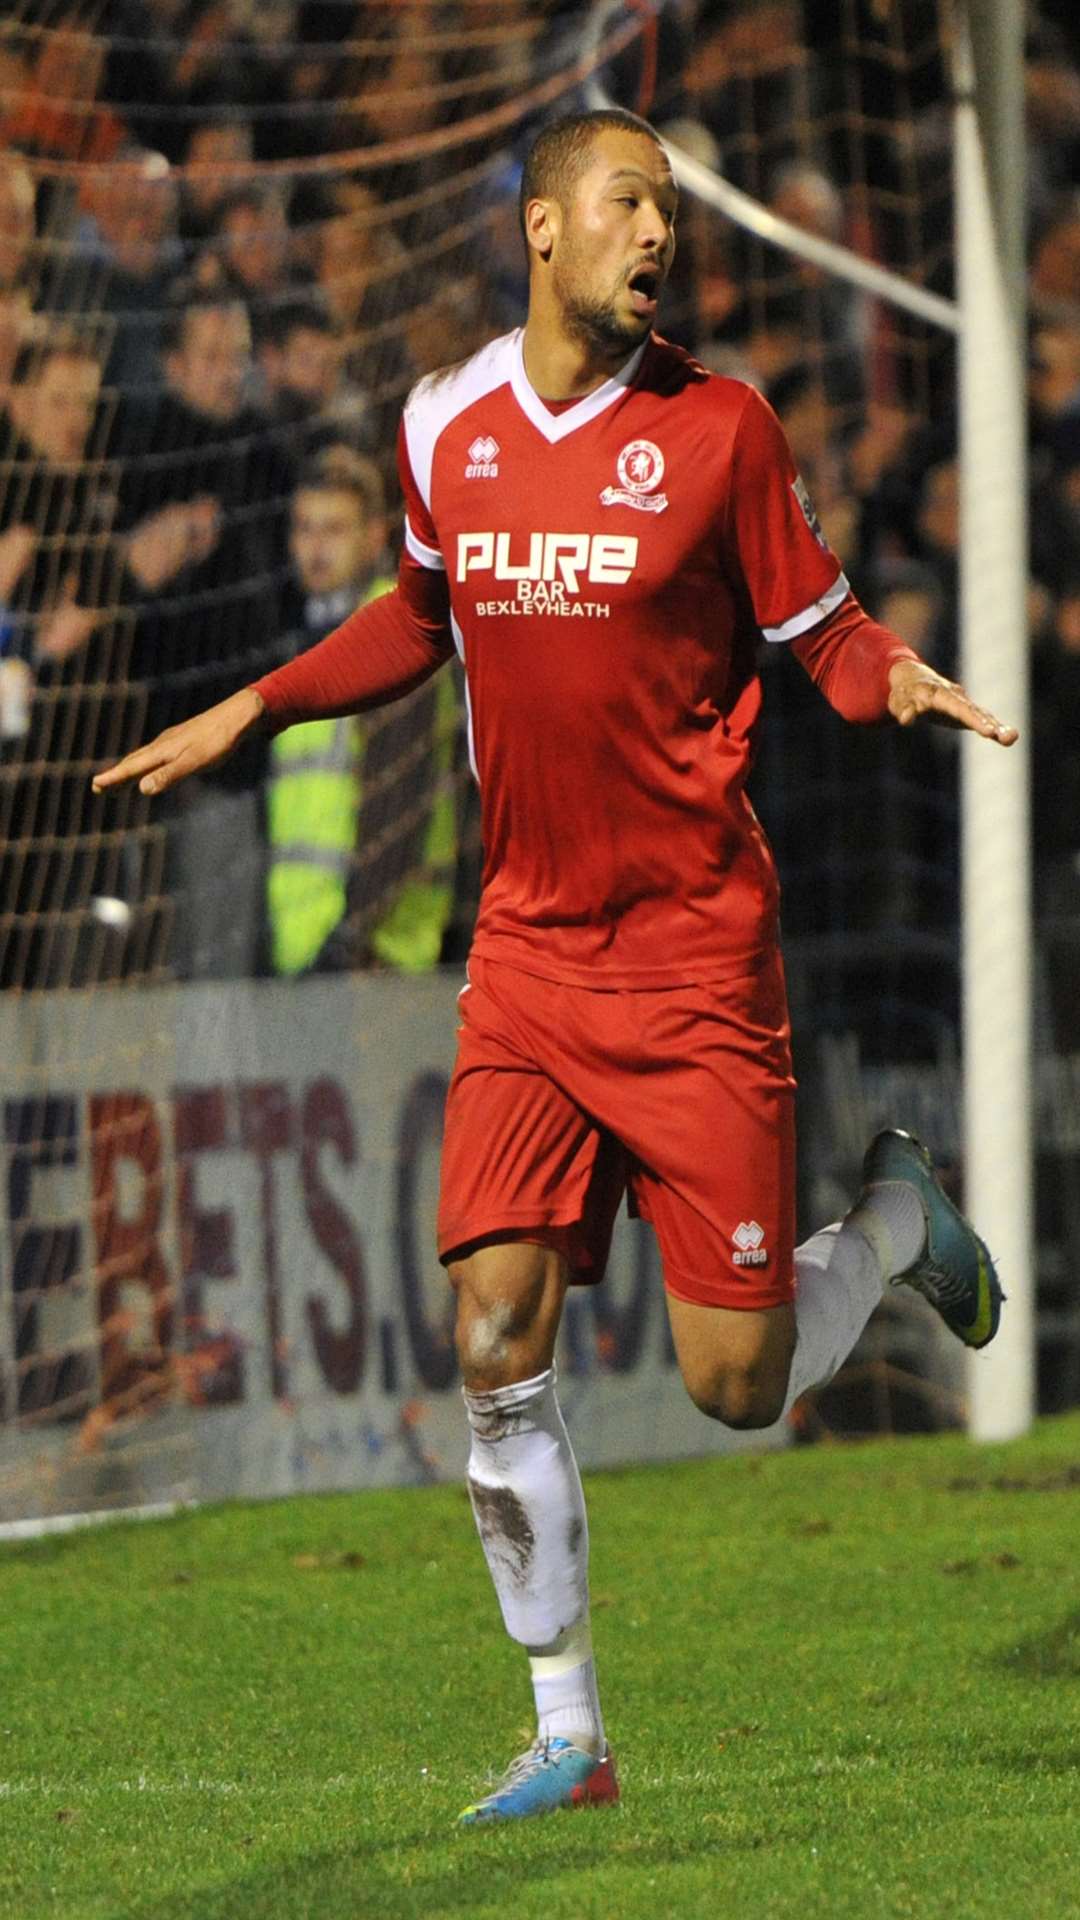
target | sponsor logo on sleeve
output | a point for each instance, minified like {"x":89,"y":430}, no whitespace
{"x":640,"y":469}
{"x":798,"y":488}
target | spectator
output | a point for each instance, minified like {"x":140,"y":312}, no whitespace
{"x":56,"y":506}
{"x":909,"y":598}
{"x":1055,"y":264}
{"x":325,"y":908}
{"x":17,"y":235}
{"x":305,"y":391}
{"x":206,"y":62}
{"x":364,"y":276}
{"x":121,"y":263}
{"x":216,"y":157}
{"x":1054,"y":383}
{"x":214,"y":494}
{"x":300,"y":358}
{"x":63,"y":567}
{"x":743,"y":82}
{"x":63,"y":578}
{"x":59,"y":114}
{"x":199,"y":443}
{"x":1052,"y":99}
{"x":310,"y":83}
{"x":449,"y":325}
{"x":252,"y":244}
{"x":1056,"y":749}
{"x":277,"y":81}
{"x":829,"y":311}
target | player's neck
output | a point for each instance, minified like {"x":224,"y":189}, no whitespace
{"x":559,"y":366}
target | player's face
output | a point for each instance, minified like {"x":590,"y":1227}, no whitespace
{"x":616,"y":241}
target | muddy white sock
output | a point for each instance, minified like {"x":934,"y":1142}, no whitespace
{"x":530,"y":1513}
{"x":838,"y":1283}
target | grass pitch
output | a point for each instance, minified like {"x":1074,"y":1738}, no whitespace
{"x":840,"y":1683}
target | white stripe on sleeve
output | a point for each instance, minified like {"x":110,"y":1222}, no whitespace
{"x":429,"y":557}
{"x":813,"y":615}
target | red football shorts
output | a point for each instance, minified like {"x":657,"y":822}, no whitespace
{"x":563,"y":1098}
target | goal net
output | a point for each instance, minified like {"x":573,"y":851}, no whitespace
{"x":231,"y":239}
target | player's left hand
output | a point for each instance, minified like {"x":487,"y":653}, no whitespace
{"x":915,"y":691}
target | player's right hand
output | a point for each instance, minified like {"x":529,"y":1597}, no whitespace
{"x":192,"y":747}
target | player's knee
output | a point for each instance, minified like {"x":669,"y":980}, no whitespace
{"x":742,"y":1397}
{"x":507,"y":1313}
{"x":484,"y":1334}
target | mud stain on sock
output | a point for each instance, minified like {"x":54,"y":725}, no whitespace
{"x":505,"y":1528}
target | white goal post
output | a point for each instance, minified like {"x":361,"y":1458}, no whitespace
{"x":997,"y":914}
{"x":996,"y":917}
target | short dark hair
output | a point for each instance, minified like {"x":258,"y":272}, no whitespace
{"x":253,"y":195}
{"x":187,"y":297}
{"x":560,"y":152}
{"x":339,"y":470}
{"x":282,"y":318}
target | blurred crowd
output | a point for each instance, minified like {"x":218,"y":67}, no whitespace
{"x":234,"y":232}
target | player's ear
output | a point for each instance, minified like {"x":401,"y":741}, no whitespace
{"x":543,"y":219}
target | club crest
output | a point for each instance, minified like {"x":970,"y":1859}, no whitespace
{"x":640,"y":469}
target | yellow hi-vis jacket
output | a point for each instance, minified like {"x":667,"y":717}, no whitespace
{"x":315,"y":829}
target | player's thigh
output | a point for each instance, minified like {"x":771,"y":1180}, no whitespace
{"x":717,"y":1174}
{"x":529,"y":1185}
{"x":510,"y":1294}
{"x":734,"y":1361}
{"x":519,"y":1152}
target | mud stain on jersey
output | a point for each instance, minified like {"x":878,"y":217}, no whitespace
{"x":573,"y":1535}
{"x":505,"y":1528}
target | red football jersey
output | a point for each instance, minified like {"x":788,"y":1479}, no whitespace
{"x":611,"y":567}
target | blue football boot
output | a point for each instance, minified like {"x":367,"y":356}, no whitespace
{"x":954,"y":1271}
{"x":552,"y":1774}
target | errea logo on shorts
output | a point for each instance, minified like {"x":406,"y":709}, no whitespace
{"x":750,"y":1248}
{"x":483,"y":463}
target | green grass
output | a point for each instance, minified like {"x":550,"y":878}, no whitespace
{"x":840,"y":1683}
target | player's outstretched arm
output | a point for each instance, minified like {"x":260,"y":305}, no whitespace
{"x":203,"y":741}
{"x":915,"y":691}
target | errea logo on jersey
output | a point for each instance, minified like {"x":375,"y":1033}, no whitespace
{"x":482,"y":462}
{"x":750,"y":1248}
{"x":604,"y":559}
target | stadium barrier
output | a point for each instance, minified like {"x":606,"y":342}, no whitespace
{"x":217,"y":1269}
{"x":217,"y":1272}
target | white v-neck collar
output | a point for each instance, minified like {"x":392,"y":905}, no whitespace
{"x":556,"y":426}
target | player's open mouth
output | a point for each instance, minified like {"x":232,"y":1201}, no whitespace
{"x":645,"y":290}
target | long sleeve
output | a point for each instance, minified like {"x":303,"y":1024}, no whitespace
{"x":848,"y":658}
{"x":379,"y":653}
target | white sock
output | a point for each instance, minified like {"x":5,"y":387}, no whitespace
{"x":838,"y":1283}
{"x":530,"y":1513}
{"x":564,"y":1683}
{"x":889,"y":1214}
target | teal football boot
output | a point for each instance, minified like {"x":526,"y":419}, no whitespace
{"x":954,"y":1271}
